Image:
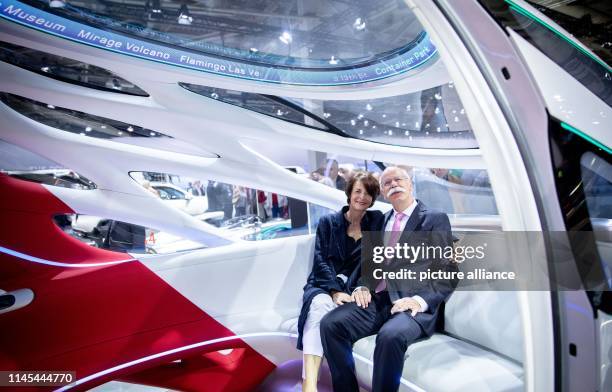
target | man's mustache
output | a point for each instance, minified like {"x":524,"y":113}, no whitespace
{"x":395,"y":189}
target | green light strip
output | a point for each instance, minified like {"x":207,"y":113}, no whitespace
{"x":524,"y":12}
{"x":585,"y":137}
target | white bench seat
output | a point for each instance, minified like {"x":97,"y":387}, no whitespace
{"x":444,"y":363}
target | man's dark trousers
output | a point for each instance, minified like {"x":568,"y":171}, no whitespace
{"x":348,"y":323}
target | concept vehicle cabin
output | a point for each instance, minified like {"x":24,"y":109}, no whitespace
{"x":502,"y":115}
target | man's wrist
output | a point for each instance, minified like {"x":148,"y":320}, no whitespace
{"x":360,"y":288}
{"x":421,"y":302}
{"x":418,"y":299}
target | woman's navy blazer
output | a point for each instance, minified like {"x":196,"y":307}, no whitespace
{"x":330,"y":259}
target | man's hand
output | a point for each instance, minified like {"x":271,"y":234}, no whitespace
{"x":340,"y":297}
{"x":362,"y":296}
{"x":404,"y":304}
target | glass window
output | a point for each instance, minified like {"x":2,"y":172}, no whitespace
{"x":589,"y":25}
{"x":589,"y":70}
{"x":66,"y":70}
{"x":64,"y":178}
{"x":264,"y":104}
{"x":313,"y":34}
{"x":23,"y":164}
{"x":122,"y":237}
{"x":240,"y":212}
{"x":455,"y":191}
{"x":432,"y":118}
{"x":98,"y":127}
{"x":584,"y":190}
{"x":597,"y":182}
{"x":166,"y":193}
{"x":74,"y":121}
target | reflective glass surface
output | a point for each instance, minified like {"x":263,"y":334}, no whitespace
{"x":588,"y":21}
{"x":264,"y":104}
{"x":432,"y":118}
{"x":74,"y":121}
{"x":591,"y":71}
{"x":98,"y":127}
{"x":583,"y":174}
{"x":238,"y":211}
{"x":66,"y":70}
{"x":26,"y":165}
{"x":64,"y":178}
{"x":310,"y":34}
{"x":122,"y":237}
{"x":597,"y":182}
{"x":455,"y":191}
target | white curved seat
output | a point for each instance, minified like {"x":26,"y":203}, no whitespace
{"x":443,"y":363}
{"x":483,"y":350}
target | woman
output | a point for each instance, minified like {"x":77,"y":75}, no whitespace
{"x":336,"y":258}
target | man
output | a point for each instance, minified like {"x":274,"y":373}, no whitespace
{"x":220,"y":198}
{"x":261,"y":205}
{"x":211,"y":194}
{"x":239,"y":200}
{"x":331,"y":171}
{"x":395,"y":313}
{"x":197,"y":189}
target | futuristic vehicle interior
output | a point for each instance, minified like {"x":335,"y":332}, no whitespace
{"x":164,"y":165}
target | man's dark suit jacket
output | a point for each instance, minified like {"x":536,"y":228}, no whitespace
{"x":434,"y":293}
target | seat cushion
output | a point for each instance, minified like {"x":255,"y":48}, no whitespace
{"x":290,"y":325}
{"x":489,"y":318}
{"x":444,"y":363}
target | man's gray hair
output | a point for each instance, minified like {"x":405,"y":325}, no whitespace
{"x":404,"y":171}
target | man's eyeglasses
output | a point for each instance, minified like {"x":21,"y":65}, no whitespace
{"x":388,"y":182}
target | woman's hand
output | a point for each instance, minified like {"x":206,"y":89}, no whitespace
{"x":340,"y":297}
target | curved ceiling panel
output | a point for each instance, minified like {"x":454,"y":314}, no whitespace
{"x":301,"y":43}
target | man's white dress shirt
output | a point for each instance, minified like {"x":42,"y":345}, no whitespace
{"x":388,"y":228}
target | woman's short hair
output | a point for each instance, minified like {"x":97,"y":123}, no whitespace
{"x":370,"y":183}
